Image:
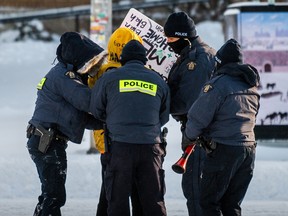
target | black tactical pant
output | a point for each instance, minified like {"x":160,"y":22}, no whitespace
{"x":139,"y":163}
{"x":191,"y":181}
{"x":192,"y":176}
{"x":227,"y":172}
{"x":51,"y":168}
{"x":102,"y":206}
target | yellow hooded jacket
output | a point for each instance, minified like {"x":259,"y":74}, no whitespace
{"x":116,"y":42}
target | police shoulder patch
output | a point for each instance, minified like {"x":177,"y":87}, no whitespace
{"x":41,"y":83}
{"x":70,"y":74}
{"x":207,"y":88}
{"x":191,"y":65}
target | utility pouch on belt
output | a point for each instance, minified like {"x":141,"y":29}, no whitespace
{"x":207,"y":144}
{"x":46,"y":136}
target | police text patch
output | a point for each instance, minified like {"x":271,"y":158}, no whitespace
{"x":137,"y":85}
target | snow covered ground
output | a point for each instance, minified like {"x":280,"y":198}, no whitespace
{"x":22,"y":65}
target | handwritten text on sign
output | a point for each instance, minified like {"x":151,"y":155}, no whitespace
{"x":159,"y":54}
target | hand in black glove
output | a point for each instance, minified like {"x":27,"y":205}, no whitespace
{"x":186,"y":141}
{"x":163,"y":143}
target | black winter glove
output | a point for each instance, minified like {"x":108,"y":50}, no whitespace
{"x":163,"y":143}
{"x":186,"y":141}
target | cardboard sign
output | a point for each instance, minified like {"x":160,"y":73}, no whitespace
{"x":160,"y":56}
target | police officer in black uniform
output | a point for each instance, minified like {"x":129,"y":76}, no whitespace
{"x":61,"y":115}
{"x":225,"y":114}
{"x":134,"y":102}
{"x":192,"y":69}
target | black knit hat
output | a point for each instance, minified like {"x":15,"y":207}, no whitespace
{"x":228,"y":53}
{"x":76,"y":49}
{"x":133,"y":50}
{"x":180,"y":25}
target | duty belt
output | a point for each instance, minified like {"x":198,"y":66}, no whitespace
{"x":32,"y":130}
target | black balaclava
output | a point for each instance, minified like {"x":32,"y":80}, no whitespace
{"x":179,"y":45}
{"x":180,"y":25}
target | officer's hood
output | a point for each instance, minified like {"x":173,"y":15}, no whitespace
{"x":82,"y":53}
{"x":247,"y":72}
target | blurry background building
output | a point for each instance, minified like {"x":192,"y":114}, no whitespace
{"x":158,"y":10}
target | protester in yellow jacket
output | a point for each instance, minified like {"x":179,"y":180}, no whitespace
{"x":116,"y":42}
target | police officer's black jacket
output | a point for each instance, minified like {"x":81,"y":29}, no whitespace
{"x":62,"y":98}
{"x":63,"y":104}
{"x":192,"y":69}
{"x":227,"y":107}
{"x":133,"y":101}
